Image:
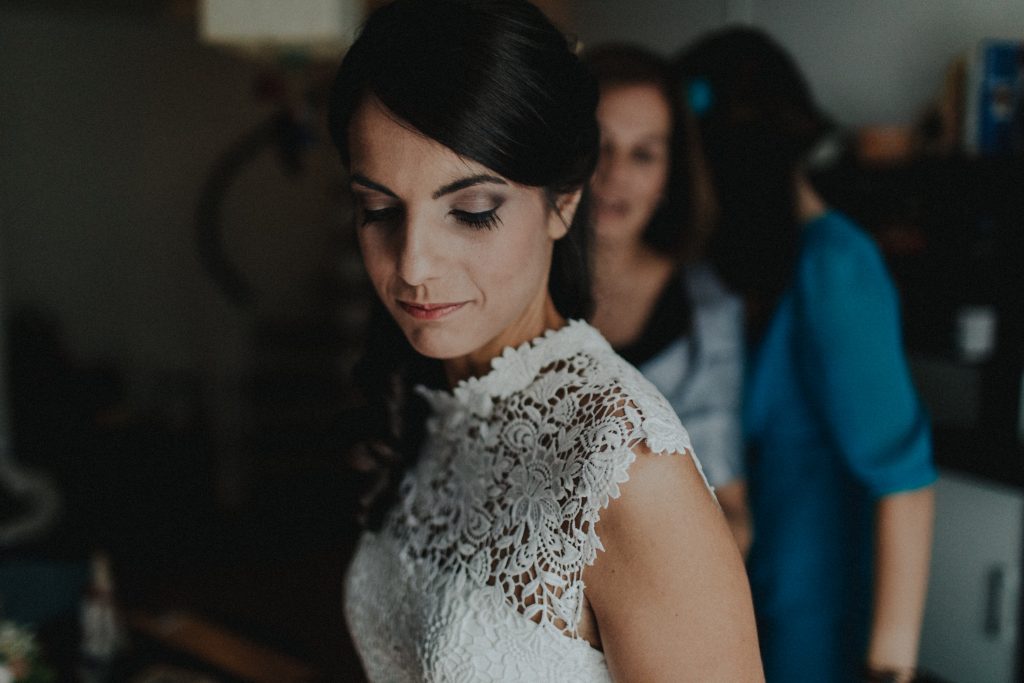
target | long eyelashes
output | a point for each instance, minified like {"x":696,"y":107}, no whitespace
{"x":482,"y":220}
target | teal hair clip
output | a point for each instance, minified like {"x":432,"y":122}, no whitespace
{"x":699,"y":97}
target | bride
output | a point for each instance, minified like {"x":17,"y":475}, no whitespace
{"x":547,"y":519}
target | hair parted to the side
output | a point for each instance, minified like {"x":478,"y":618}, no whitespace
{"x":495,"y":82}
{"x":757,"y":123}
{"x":674,"y":228}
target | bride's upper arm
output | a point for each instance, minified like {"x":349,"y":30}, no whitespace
{"x":669,"y":592}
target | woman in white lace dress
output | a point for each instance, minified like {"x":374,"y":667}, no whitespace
{"x":547,"y":520}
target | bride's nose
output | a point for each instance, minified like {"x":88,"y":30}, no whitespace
{"x":420,"y":257}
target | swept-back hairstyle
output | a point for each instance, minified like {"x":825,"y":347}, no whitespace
{"x":757,"y":121}
{"x":673,"y":227}
{"x":495,"y":82}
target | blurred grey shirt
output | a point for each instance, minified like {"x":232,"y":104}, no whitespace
{"x":702,"y":376}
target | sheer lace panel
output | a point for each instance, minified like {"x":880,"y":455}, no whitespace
{"x":515,"y":480}
{"x":497,"y":520}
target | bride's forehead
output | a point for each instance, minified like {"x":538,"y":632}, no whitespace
{"x":382,"y":144}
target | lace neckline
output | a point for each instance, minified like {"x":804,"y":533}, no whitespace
{"x":516,"y":367}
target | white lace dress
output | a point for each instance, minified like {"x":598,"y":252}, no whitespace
{"x":476,"y":574}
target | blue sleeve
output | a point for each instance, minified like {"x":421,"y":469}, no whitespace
{"x":851,"y":359}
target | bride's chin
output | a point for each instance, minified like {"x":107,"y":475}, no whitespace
{"x":435,"y":344}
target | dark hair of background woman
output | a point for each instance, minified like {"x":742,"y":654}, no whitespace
{"x":671,"y":230}
{"x":757,"y":122}
{"x":496,"y":82}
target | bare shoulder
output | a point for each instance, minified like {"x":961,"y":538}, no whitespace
{"x":669,"y":593}
{"x":665,"y":512}
{"x":663,"y":489}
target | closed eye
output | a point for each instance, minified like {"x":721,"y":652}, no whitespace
{"x":386,"y":215}
{"x":477,"y":220}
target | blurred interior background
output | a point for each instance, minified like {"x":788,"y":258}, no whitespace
{"x":182,"y":302}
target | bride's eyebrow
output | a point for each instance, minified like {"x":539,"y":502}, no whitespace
{"x":358,"y":179}
{"x":467,"y":182}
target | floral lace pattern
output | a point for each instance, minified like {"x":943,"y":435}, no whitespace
{"x":477,"y":573}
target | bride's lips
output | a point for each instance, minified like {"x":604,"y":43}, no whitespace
{"x":430,"y":311}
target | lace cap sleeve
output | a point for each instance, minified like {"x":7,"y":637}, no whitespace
{"x":618,"y":418}
{"x":605,"y":410}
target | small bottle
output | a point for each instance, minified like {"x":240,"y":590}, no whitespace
{"x":101,"y":628}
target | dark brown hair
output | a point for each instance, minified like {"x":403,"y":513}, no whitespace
{"x":496,"y":82}
{"x":757,"y":122}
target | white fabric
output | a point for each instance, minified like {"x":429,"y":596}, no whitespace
{"x":477,"y":572}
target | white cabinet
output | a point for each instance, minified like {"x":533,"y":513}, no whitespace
{"x":971,"y":622}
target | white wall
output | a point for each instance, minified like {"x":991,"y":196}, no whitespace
{"x":868,"y":61}
{"x":663,"y":25}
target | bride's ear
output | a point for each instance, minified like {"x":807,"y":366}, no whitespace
{"x":565,"y":206}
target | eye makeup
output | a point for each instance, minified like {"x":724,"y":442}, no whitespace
{"x":477,"y":210}
{"x":477,"y":220}
{"x":466,"y":210}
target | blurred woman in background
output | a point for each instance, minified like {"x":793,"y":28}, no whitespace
{"x":840,"y":456}
{"x":663,"y":311}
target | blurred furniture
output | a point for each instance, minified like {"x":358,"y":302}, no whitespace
{"x":952,"y":231}
{"x":217,"y":646}
{"x":972,"y":619}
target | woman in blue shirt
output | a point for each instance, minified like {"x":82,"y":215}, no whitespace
{"x":839,"y":462}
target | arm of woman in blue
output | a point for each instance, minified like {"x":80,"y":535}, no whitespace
{"x":857,"y":374}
